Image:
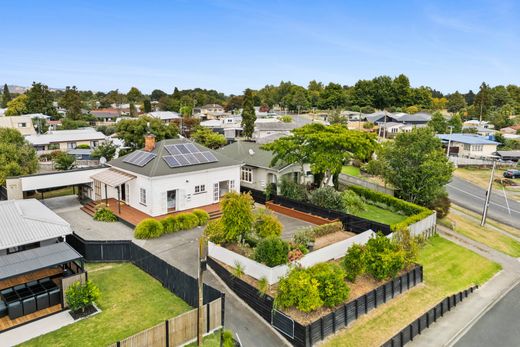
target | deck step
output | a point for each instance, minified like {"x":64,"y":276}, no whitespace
{"x":89,"y":208}
{"x":215,"y":214}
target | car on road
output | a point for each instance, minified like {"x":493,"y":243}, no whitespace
{"x":512,"y":174}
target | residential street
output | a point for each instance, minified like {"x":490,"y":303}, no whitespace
{"x":472,"y":197}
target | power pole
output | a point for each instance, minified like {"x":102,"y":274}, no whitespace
{"x":202,"y":268}
{"x":488,"y":195}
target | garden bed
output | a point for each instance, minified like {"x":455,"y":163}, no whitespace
{"x":89,"y":310}
{"x":329,"y":239}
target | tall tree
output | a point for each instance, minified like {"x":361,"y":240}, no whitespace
{"x":483,"y":100}
{"x":416,"y":165}
{"x":209,"y":138}
{"x":132,"y":131}
{"x":456,"y":102}
{"x":147,"y":106}
{"x":333,"y":96}
{"x":106,"y":150}
{"x":17,"y":106}
{"x":402,"y":91}
{"x":157,"y":94}
{"x":71,"y":101}
{"x":456,"y":123}
{"x":134,"y":95}
{"x":40,"y":100}
{"x":248,"y":114}
{"x":6,"y":96}
{"x":315,"y":89}
{"x":438,"y":123}
{"x":17,"y":156}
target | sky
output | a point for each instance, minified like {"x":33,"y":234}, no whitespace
{"x":233,"y":45}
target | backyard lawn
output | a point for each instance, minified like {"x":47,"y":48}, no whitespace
{"x":350,"y":170}
{"x":130,"y":301}
{"x":381,"y":215}
{"x":448,"y":268}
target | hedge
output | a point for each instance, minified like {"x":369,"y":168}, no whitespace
{"x":325,"y":229}
{"x":414,"y":212}
{"x":148,"y":229}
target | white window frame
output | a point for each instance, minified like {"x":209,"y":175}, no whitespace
{"x":477,"y":148}
{"x":22,"y":125}
{"x":246,"y":174}
{"x":200,"y":189}
{"x":142,"y":196}
{"x":231,"y":185}
{"x":216,"y":192}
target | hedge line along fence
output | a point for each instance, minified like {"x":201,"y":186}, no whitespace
{"x":177,"y":281}
{"x":312,"y":333}
{"x":420,"y":324}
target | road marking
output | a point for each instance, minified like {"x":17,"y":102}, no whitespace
{"x":481,"y":198}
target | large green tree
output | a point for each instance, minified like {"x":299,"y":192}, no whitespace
{"x":6,"y":96}
{"x":17,"y":106}
{"x":106,"y":150}
{"x":438,"y":123}
{"x":17,"y":156}
{"x":248,"y":114}
{"x":483,"y":100}
{"x":456,"y":102}
{"x":71,"y":101}
{"x":456,"y":123}
{"x":132,"y":131}
{"x":40,"y":100}
{"x":134,"y":95}
{"x":209,"y":138}
{"x":417,"y":166}
{"x":333,"y":96}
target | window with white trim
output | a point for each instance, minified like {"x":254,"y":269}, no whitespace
{"x":200,"y":189}
{"x":22,"y":125}
{"x":467,"y":147}
{"x":246,"y":174}
{"x":142,"y":196}
{"x":477,"y":148}
{"x":232,"y":185}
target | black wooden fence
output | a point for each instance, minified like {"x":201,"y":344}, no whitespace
{"x":350,"y":222}
{"x":417,"y":326}
{"x":177,"y":281}
{"x":307,"y":335}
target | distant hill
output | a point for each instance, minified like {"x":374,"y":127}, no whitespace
{"x":21,"y":89}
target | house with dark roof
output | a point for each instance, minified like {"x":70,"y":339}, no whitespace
{"x":167,"y":177}
{"x":257,"y":171}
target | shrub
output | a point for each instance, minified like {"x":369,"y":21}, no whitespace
{"x":237,"y":216}
{"x":238,"y":271}
{"x":187,"y":221}
{"x":325,"y":229}
{"x":263,"y":286}
{"x":148,"y":229}
{"x":215,"y":231}
{"x":170,"y":224}
{"x":354,"y":262}
{"x":272,"y":251}
{"x":332,"y":287}
{"x":298,"y":289}
{"x":367,"y":109}
{"x":104,"y":214}
{"x":406,"y":243}
{"x":80,"y":295}
{"x":227,"y":339}
{"x":303,"y":236}
{"x":294,"y":254}
{"x":267,"y":225}
{"x":286,"y":119}
{"x":383,"y":258}
{"x":83,"y":146}
{"x":202,"y":215}
{"x":327,"y":197}
{"x":442,"y":205}
{"x":293,"y":190}
{"x":352,"y":202}
{"x":368,"y":125}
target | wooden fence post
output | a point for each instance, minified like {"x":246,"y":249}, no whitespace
{"x":167,"y":326}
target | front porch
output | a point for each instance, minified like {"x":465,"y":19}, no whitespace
{"x":133,"y":216}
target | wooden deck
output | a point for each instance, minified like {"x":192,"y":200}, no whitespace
{"x":7,"y":323}
{"x":32,"y":276}
{"x":133,"y":216}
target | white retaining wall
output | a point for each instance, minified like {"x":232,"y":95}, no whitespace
{"x":425,"y":226}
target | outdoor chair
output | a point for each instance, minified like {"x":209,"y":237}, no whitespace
{"x":29,"y":305}
{"x":15,"y":309}
{"x":32,"y":283}
{"x":44,"y":280}
{"x":54,"y":297}
{"x":6,"y":291}
{"x":19,"y":287}
{"x":3,"y":309}
{"x":42,"y":301}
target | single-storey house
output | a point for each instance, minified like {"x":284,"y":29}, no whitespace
{"x":64,"y":140}
{"x":469,"y":145}
{"x":165,"y":116}
{"x":263,"y":129}
{"x":257,"y":172}
{"x":168,"y":176}
{"x":511,"y":129}
{"x":36,"y":264}
{"x":417,"y":119}
{"x":509,"y":155}
{"x":106,"y":116}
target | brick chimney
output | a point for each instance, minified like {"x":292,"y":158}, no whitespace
{"x":149,"y":142}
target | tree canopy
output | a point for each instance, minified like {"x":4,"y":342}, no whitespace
{"x":17,"y":156}
{"x":40,"y":100}
{"x":248,"y":114}
{"x":132,"y":131}
{"x":17,"y":106}
{"x":71,"y":101}
{"x":208,"y":138}
{"x":6,"y":96}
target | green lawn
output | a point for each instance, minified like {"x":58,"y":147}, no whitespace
{"x":381,"y":215}
{"x":56,"y":192}
{"x":448,"y":269}
{"x":350,"y":170}
{"x":130,"y":301}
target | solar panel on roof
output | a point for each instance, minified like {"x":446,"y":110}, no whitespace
{"x":180,"y":158}
{"x":171,"y":161}
{"x":192,"y":148}
{"x":191,"y":159}
{"x":139,"y":158}
{"x":187,"y":154}
{"x":172,"y":149}
{"x":201,"y":158}
{"x":211,"y":158}
{"x":182,"y":149}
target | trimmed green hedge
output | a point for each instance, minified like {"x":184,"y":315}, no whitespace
{"x":202,"y":215}
{"x":414,"y":212}
{"x":148,"y":229}
{"x":325,"y":229}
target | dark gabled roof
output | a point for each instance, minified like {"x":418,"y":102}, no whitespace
{"x":251,"y":154}
{"x":158,"y":167}
{"x":416,"y":117}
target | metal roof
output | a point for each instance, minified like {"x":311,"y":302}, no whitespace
{"x":515,"y":154}
{"x":113,"y":177}
{"x":28,"y":221}
{"x":20,"y":263}
{"x":251,"y":154}
{"x":467,"y":139}
{"x":86,"y":134}
{"x":164,"y":115}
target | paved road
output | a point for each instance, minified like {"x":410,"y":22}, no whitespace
{"x":499,"y":326}
{"x":472,"y":197}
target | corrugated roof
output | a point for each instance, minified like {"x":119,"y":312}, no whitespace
{"x":28,"y":221}
{"x":158,"y":167}
{"x":35,"y":259}
{"x":276,"y":126}
{"x":87,"y":134}
{"x":467,"y":139}
{"x":241,"y":151}
{"x":164,"y":115}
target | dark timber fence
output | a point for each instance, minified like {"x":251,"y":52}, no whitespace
{"x":307,"y":335}
{"x":175,"y":280}
{"x":350,"y":222}
{"x":417,"y":326}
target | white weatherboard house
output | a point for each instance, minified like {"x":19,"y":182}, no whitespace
{"x":168,"y":176}
{"x":469,"y":145}
{"x":64,"y":140}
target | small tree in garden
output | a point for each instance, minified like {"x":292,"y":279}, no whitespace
{"x":267,"y":225}
{"x":148,"y":229}
{"x":327,"y":197}
{"x":215,"y":231}
{"x":81,"y":295}
{"x":383,"y":257}
{"x":293,"y":190}
{"x":237,"y":216}
{"x":332,"y":287}
{"x":408,"y":244}
{"x":352,"y":202}
{"x":272,"y":251}
{"x":299,"y":289}
{"x":354,"y":262}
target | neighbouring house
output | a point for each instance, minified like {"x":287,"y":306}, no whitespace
{"x":511,"y":129}
{"x":36,"y":264}
{"x":167,"y":176}
{"x":469,"y":145}
{"x":230,"y":127}
{"x":419,"y":119}
{"x":391,"y":129}
{"x":165,"y":116}
{"x":257,"y":172}
{"x":24,"y":124}
{"x":509,"y":155}
{"x":212,"y":111}
{"x":64,"y":140}
{"x":263,"y":129}
{"x":379,"y":117}
{"x":480,"y":130}
{"x":106,"y":116}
